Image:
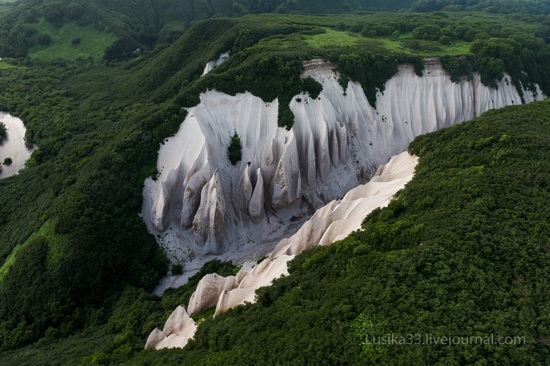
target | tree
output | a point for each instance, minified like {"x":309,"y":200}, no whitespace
{"x":312,"y":86}
{"x":234,"y":149}
{"x":3,"y":132}
{"x":428,"y":32}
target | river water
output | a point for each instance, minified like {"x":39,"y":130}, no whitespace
{"x":14,"y":146}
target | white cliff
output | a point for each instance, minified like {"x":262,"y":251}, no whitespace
{"x":337,"y":142}
{"x":177,"y":331}
{"x":211,"y":65}
{"x":332,"y":222}
{"x":202,"y":207}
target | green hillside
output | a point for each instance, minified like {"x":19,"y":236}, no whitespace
{"x":461,"y":251}
{"x":125,"y":26}
{"x":117,"y":30}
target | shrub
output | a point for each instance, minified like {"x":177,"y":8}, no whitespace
{"x":8,"y":161}
{"x":234,"y":149}
{"x":3,"y":132}
{"x":428,"y":32}
{"x":177,"y":269}
{"x":457,"y":68}
{"x":312,"y":87}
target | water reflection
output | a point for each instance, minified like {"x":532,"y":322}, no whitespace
{"x":13,"y":147}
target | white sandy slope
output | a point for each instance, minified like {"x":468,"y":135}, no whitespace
{"x":14,"y":146}
{"x":201,"y":207}
{"x":332,"y":222}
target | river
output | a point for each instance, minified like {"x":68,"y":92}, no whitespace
{"x":14,"y":146}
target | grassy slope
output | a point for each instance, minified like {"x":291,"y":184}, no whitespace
{"x":6,"y":65}
{"x":332,"y":37}
{"x":92,"y":42}
{"x":58,"y":245}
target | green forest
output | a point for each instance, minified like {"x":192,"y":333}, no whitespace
{"x":462,"y":250}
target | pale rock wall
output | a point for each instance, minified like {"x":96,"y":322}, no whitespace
{"x":211,"y":65}
{"x":177,"y":331}
{"x":332,"y":222}
{"x":337,"y":142}
{"x":208,"y":292}
{"x":201,"y":205}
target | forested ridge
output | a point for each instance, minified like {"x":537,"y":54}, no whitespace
{"x":461,"y":250}
{"x":125,"y":29}
{"x":139,"y":23}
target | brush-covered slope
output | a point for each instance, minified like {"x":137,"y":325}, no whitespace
{"x":489,"y":6}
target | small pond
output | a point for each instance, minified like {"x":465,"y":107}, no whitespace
{"x":13,"y":147}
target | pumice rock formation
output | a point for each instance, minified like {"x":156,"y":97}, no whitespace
{"x":177,"y":331}
{"x":201,"y":206}
{"x":337,"y":142}
{"x":209,"y":222}
{"x":332,"y":222}
{"x":208,"y":292}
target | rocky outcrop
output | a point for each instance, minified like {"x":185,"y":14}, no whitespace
{"x":209,"y":222}
{"x":208,"y":292}
{"x":211,"y":65}
{"x":202,"y":205}
{"x":177,"y":331}
{"x":332,"y":222}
